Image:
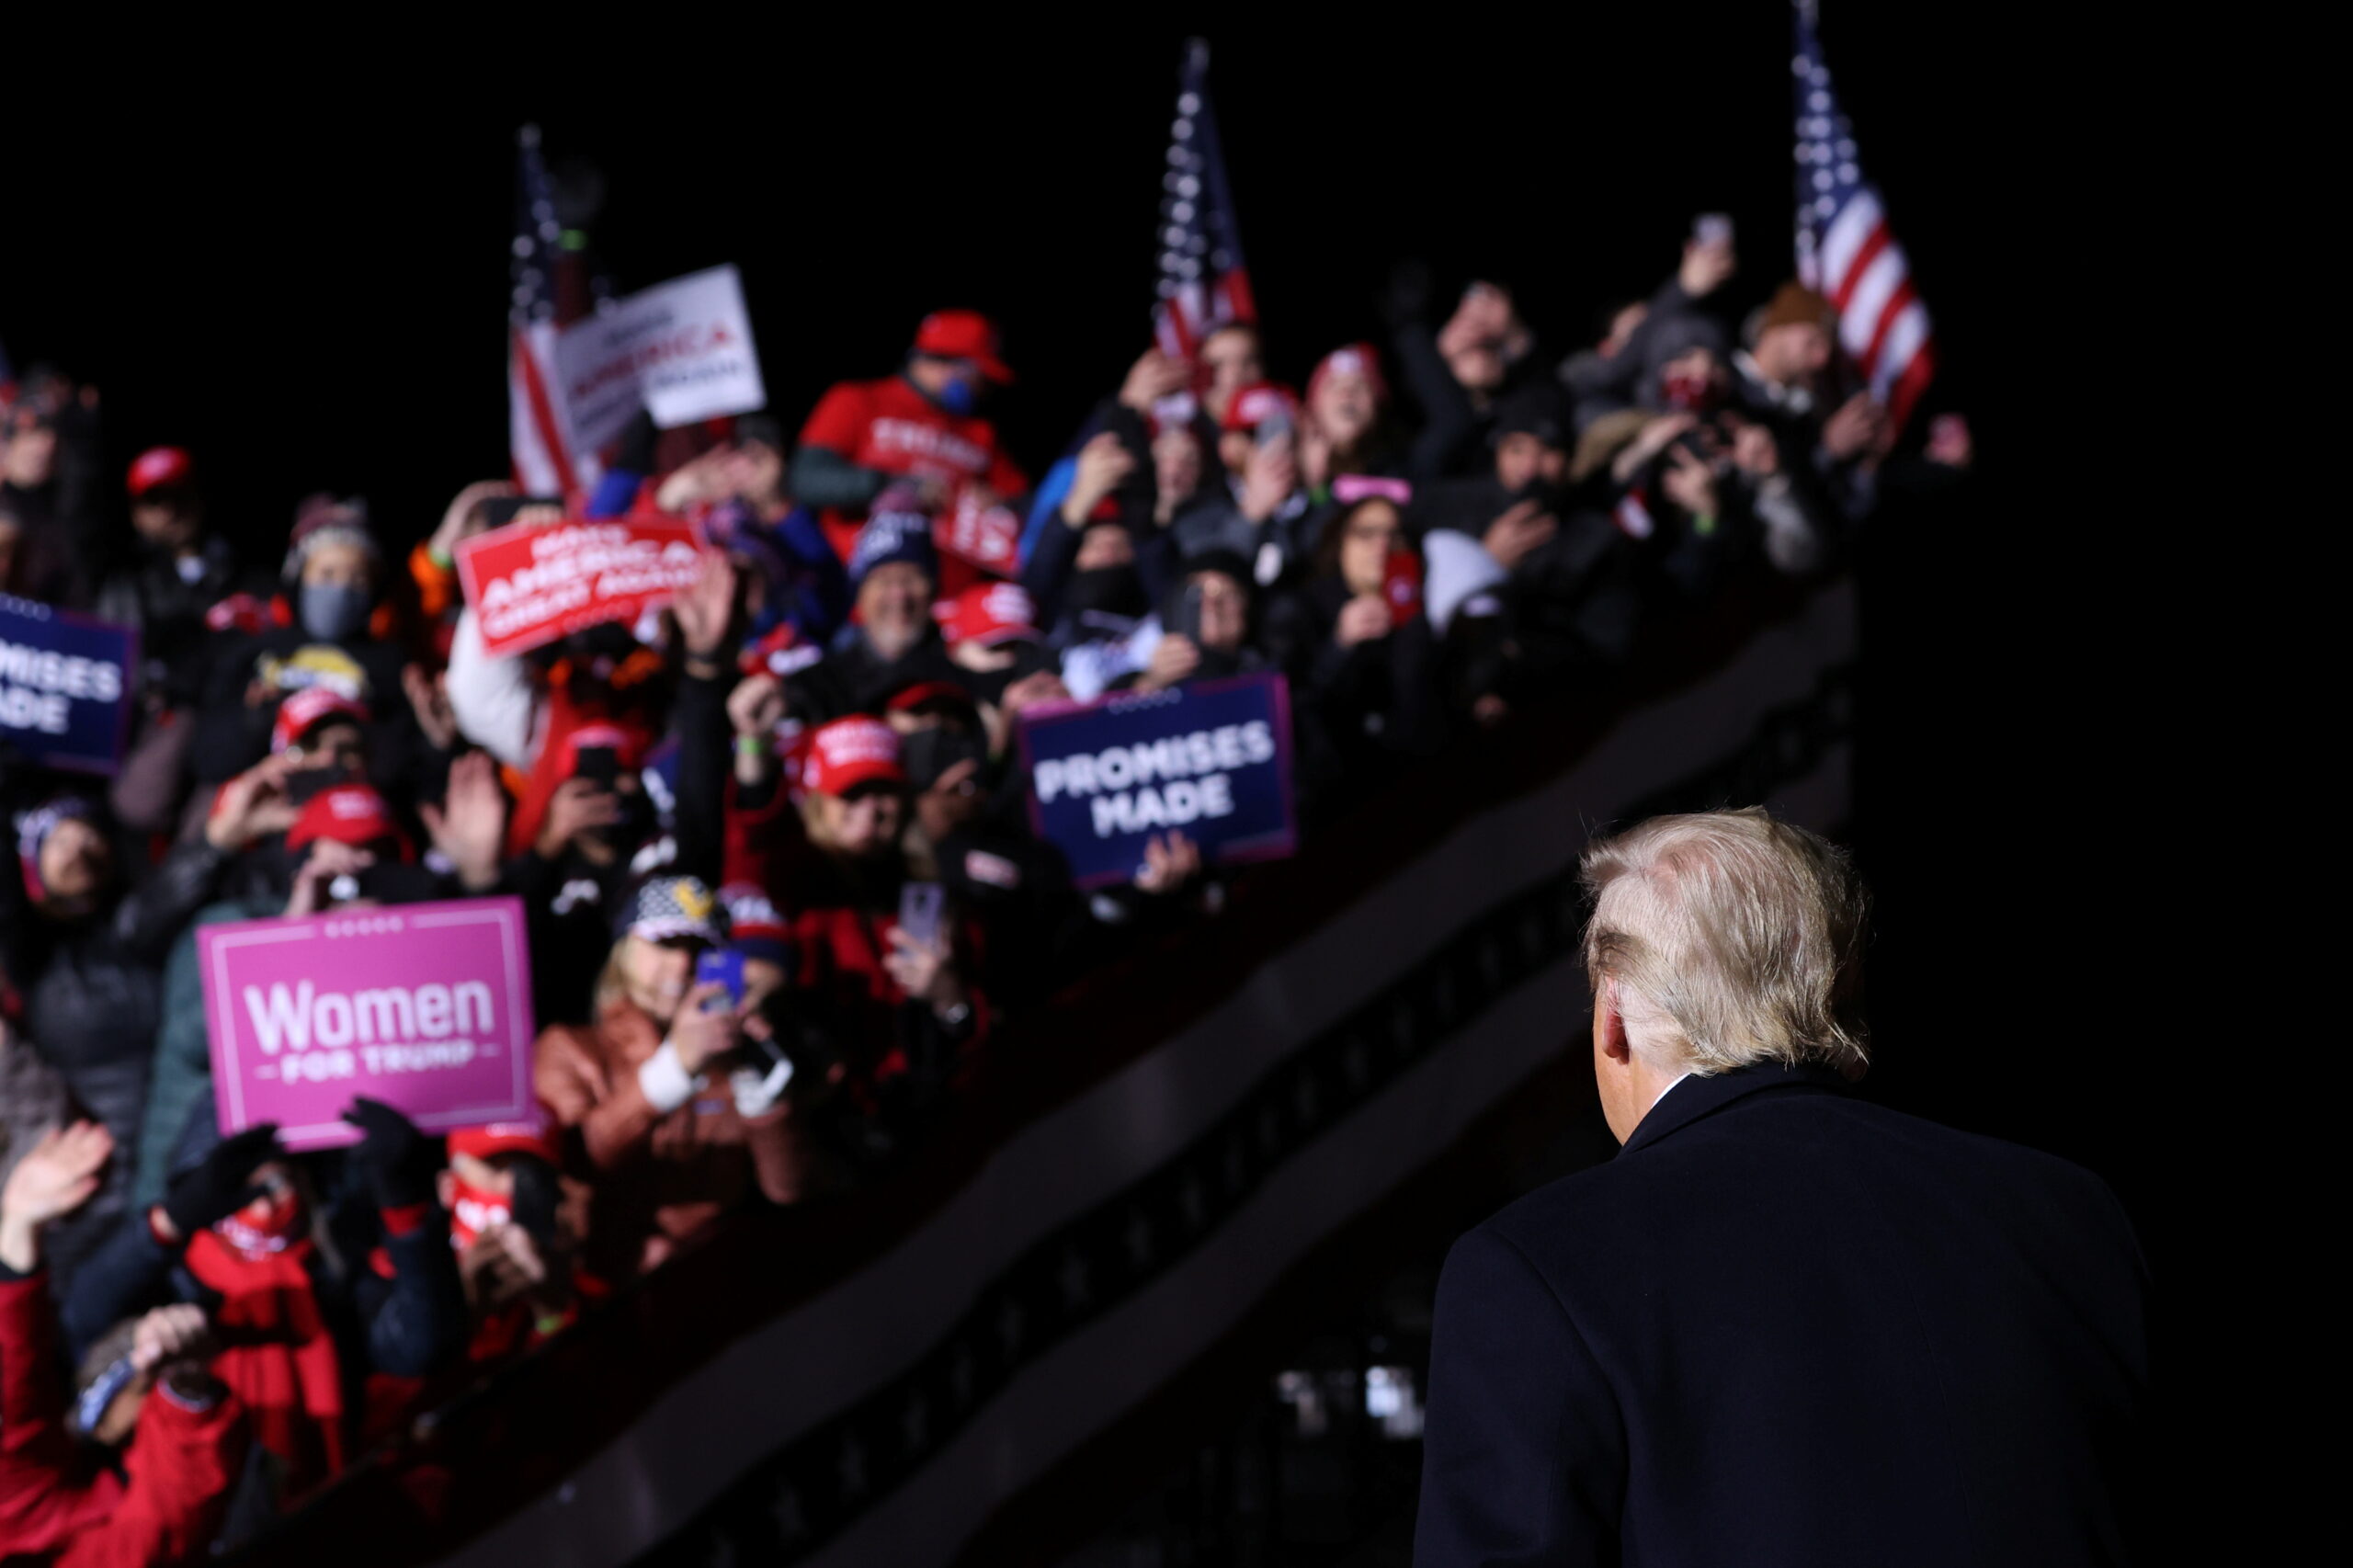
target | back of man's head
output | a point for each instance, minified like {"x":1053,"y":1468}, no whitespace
{"x":1746,"y":933}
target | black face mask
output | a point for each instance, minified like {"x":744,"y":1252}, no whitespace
{"x":1106,"y":590}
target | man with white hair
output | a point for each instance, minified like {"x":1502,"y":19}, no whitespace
{"x":1785,"y":1325}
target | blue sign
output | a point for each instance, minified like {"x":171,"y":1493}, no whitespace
{"x":65,"y":686}
{"x":1210,"y":761}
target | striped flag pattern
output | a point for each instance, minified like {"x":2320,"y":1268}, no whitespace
{"x":539,"y":426}
{"x":1203,"y":283}
{"x":1846,"y":248}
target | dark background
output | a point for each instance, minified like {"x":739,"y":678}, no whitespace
{"x":302,"y":274}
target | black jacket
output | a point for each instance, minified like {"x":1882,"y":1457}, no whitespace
{"x":1788,"y":1326}
{"x":93,"y":1002}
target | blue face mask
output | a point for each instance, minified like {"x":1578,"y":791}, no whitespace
{"x":333,"y":611}
{"x":959,"y":396}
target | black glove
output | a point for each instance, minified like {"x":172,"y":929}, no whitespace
{"x":399,"y":1161}
{"x":223,"y":1183}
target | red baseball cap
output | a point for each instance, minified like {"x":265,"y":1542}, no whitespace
{"x":158,"y":467}
{"x":989,"y":613}
{"x":1255,"y":403}
{"x":306,"y":709}
{"x":348,"y":813}
{"x":627,"y":746}
{"x":850,"y":752}
{"x":963,"y":335}
{"x":534,"y":1132}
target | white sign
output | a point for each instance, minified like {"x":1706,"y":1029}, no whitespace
{"x":681,"y":350}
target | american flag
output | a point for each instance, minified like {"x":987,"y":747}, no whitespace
{"x":539,"y":426}
{"x":1203,"y":282}
{"x":1846,"y":248}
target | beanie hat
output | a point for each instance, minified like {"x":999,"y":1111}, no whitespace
{"x":34,"y":827}
{"x":1533,"y":411}
{"x":760,"y":931}
{"x":897,"y":528}
{"x":322,"y":521}
{"x":670,"y":907}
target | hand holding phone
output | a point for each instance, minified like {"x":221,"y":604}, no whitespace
{"x":920,"y":908}
{"x":722,"y":966}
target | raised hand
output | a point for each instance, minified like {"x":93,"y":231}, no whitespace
{"x":470,"y":825}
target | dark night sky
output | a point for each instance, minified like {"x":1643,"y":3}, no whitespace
{"x":304,"y":279}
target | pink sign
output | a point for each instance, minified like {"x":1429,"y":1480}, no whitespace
{"x":426,"y":1006}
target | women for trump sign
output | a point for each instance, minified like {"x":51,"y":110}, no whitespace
{"x":426,"y":1006}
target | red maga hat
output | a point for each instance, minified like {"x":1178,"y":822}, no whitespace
{"x":963,"y":335}
{"x":160,"y":468}
{"x":850,"y":752}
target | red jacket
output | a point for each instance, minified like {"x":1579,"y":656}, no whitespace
{"x":889,"y":425}
{"x":56,"y":1507}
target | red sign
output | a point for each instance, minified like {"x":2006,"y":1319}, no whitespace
{"x":532,"y":583}
{"x":988,"y":537}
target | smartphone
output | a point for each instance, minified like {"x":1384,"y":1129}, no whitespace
{"x":920,"y":906}
{"x":721,"y":966}
{"x":1712,"y":228}
{"x":1274,"y":426}
{"x":1188,"y":617}
{"x":536,"y":1195}
{"x":306,"y":784}
{"x":1400,"y":584}
{"x":599,"y":765}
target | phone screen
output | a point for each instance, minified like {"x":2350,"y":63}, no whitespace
{"x":920,"y":904}
{"x":598,"y":765}
{"x":1712,"y":229}
{"x":1189,"y":619}
{"x":722,"y":966}
{"x":1400,"y":584}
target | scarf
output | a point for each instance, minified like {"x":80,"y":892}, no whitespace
{"x":277,"y":1353}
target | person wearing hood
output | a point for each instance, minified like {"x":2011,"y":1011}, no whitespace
{"x":1203,"y":629}
{"x":137,"y":1468}
{"x":892,"y":639}
{"x":82,"y":949}
{"x":923,"y":425}
{"x":1359,"y":651}
{"x":330,"y":634}
{"x":322,"y":1272}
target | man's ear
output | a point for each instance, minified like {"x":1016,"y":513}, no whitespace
{"x":445,"y":1187}
{"x":1609,"y":1024}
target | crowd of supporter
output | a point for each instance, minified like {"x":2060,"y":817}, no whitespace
{"x":1435,"y":530}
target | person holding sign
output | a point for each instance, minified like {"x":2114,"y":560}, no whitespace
{"x":674,"y":1108}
